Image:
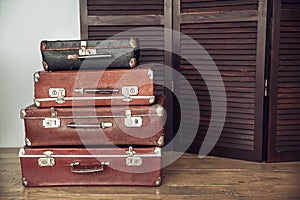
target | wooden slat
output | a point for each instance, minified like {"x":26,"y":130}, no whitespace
{"x":226,"y":16}
{"x":227,"y":5}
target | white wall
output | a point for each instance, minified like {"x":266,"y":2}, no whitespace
{"x":23,"y":24}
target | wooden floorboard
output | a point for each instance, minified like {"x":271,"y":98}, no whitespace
{"x":188,"y":178}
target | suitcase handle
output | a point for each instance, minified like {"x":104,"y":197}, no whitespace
{"x":80,"y":57}
{"x":85,"y":170}
{"x":96,"y":90}
{"x":102,"y":125}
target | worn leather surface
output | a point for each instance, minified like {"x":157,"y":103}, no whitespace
{"x":55,"y":54}
{"x":148,"y":134}
{"x":116,"y":79}
{"x":60,"y":173}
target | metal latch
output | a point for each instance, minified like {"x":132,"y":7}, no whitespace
{"x":47,"y":160}
{"x":85,"y":52}
{"x":132,"y":121}
{"x":128,"y":91}
{"x":52,"y":122}
{"x":58,"y":93}
{"x":133,"y":160}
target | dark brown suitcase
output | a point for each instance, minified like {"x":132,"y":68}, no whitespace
{"x":119,"y":125}
{"x":90,"y":54}
{"x":97,"y":166}
{"x":94,"y":87}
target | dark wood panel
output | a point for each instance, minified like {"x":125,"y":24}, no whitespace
{"x":284,"y":134}
{"x":232,"y":41}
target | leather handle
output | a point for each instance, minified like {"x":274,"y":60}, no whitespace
{"x":92,"y":169}
{"x":81,"y":57}
{"x":102,"y":125}
{"x":95,"y":56}
{"x":96,"y":90}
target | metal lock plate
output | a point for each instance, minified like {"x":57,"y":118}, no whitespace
{"x":134,"y":161}
{"x":130,"y":90}
{"x":132,"y":121}
{"x":51,"y":122}
{"x":57,"y":92}
{"x":46,"y":161}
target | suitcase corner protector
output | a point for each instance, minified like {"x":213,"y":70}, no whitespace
{"x":21,"y":152}
{"x":43,"y":45}
{"x":150,"y":74}
{"x":161,"y":141}
{"x":27,"y":142}
{"x":45,"y":66}
{"x":134,"y":43}
{"x":37,"y":102}
{"x":151,"y":99}
{"x":36,"y":77}
{"x":22,"y":113}
{"x":25,"y":182}
{"x":158,"y":181}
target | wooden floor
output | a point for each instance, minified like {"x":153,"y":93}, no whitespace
{"x":187,"y":178}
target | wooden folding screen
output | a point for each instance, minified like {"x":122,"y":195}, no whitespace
{"x":284,"y":108}
{"x":233,"y":33}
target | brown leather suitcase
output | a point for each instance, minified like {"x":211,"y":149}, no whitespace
{"x":94,"y":87}
{"x":89,"y":54}
{"x":119,"y":125}
{"x":97,"y":166}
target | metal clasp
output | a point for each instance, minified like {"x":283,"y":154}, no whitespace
{"x":128,"y":91}
{"x":133,"y":160}
{"x":58,"y":93}
{"x":53,"y":122}
{"x":47,"y":161}
{"x":132,"y":121}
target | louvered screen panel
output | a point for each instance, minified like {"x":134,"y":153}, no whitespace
{"x":284,"y":133}
{"x":101,"y":19}
{"x":228,"y":30}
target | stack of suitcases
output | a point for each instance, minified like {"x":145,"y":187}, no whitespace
{"x":90,"y":125}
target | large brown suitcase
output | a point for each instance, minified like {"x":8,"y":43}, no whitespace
{"x":94,"y":87}
{"x":90,"y":54}
{"x":119,"y":125}
{"x":97,"y":166}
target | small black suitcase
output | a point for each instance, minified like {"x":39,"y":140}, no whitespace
{"x":89,"y":54}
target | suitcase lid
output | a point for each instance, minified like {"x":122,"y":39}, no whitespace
{"x":64,"y":45}
{"x":156,"y":109}
{"x":26,"y":152}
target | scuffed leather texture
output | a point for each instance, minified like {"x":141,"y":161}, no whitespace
{"x":116,"y":173}
{"x":69,"y":80}
{"x":55,"y":54}
{"x":148,"y":134}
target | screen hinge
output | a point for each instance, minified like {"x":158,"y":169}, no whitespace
{"x":266,"y":87}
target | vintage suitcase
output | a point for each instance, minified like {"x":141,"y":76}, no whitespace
{"x":95,"y":166}
{"x":119,"y":125}
{"x":90,"y":54}
{"x":94,"y":87}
